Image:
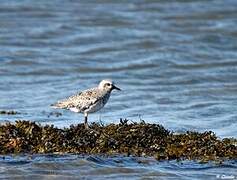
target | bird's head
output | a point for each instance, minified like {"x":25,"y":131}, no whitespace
{"x":108,"y":85}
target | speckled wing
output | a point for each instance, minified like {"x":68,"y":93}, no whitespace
{"x":79,"y":102}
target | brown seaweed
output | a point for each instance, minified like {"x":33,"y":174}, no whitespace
{"x":11,"y":112}
{"x":138,"y":139}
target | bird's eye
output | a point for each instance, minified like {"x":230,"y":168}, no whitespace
{"x":107,"y":84}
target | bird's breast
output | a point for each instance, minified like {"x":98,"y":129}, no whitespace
{"x":99,"y":104}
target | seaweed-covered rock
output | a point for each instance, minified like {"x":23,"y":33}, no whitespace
{"x":193,"y":145}
{"x":11,"y":112}
{"x":138,"y":139}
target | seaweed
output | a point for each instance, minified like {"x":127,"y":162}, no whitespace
{"x":11,"y":112}
{"x":138,"y":139}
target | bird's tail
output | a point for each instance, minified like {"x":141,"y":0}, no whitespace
{"x":64,"y":104}
{"x":57,"y":105}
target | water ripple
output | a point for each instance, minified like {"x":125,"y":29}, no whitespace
{"x":174,"y":60}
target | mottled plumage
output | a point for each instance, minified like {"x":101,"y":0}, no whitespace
{"x":88,"y":101}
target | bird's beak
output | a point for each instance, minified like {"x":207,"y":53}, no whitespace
{"x":115,"y":87}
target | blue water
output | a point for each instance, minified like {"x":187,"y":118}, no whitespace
{"x":176,"y":62}
{"x":116,"y":167}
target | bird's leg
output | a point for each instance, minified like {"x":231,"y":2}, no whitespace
{"x":86,"y":123}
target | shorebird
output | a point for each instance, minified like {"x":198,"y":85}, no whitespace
{"x":88,"y":101}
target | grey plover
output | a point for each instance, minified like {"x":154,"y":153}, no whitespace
{"x":88,"y":101}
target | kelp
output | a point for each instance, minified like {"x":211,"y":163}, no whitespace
{"x":138,"y":139}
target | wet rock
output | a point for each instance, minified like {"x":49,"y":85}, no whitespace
{"x":138,"y":139}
